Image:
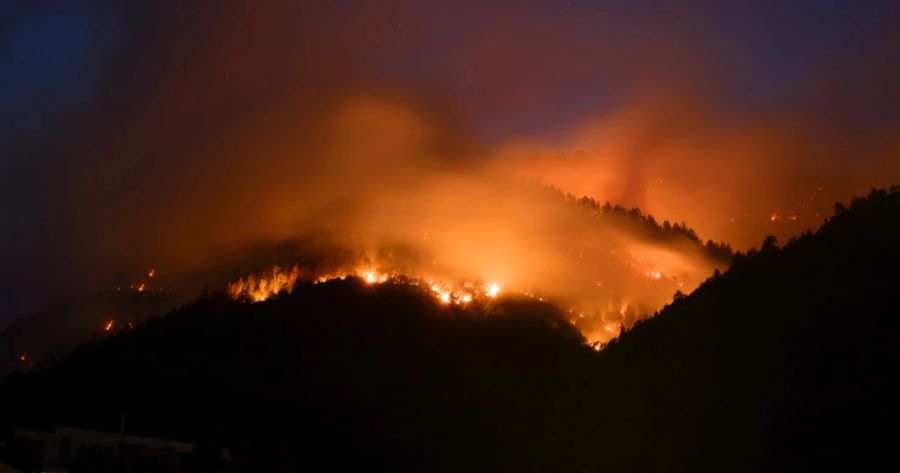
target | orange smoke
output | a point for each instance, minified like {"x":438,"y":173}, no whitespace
{"x":735,"y":179}
{"x":219,"y":144}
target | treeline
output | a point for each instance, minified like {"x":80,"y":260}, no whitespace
{"x":788,"y":360}
{"x":648,"y":227}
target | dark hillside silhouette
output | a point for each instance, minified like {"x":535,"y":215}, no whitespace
{"x":334,"y":376}
{"x":788,"y":361}
{"x":38,"y":339}
{"x":52,"y":333}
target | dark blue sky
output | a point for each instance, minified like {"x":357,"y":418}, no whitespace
{"x":53,"y":52}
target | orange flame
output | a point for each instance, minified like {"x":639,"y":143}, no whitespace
{"x":264,"y":285}
{"x":598,"y":324}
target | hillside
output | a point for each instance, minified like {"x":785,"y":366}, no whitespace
{"x":789,"y":359}
{"x":334,"y":376}
{"x":786,"y":361}
{"x":53,"y":332}
{"x":38,"y":339}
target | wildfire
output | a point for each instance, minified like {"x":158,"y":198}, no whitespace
{"x":599,"y":324}
{"x":108,"y":325}
{"x":372,"y":277}
{"x":463,"y":294}
{"x":261,"y":286}
{"x":264,"y":285}
{"x":151,"y":273}
{"x":23,"y":357}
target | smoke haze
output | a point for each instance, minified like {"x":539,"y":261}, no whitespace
{"x":193,"y":132}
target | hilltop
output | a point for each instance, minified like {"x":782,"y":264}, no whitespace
{"x":332,"y":376}
{"x":787,"y":360}
{"x":52,"y":333}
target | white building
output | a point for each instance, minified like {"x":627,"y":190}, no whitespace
{"x":64,"y":444}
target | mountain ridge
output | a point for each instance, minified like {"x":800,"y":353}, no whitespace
{"x":787,"y":360}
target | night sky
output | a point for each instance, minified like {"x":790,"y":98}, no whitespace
{"x":122,"y":124}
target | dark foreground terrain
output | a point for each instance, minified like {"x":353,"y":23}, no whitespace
{"x":787,"y":361}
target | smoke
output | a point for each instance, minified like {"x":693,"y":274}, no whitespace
{"x":732,"y":179}
{"x":209,"y":132}
{"x":381,"y":178}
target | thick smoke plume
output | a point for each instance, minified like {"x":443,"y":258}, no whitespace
{"x":213,"y":133}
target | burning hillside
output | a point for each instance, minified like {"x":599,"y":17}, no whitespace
{"x":259,"y":287}
{"x":597,"y":326}
{"x":612,"y":269}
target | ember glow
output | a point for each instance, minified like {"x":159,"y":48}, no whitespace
{"x":259,"y":287}
{"x":600,"y":316}
{"x":367,"y":227}
{"x":374,"y":140}
{"x":373,"y":277}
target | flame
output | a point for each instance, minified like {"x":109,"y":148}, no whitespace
{"x":151,"y":273}
{"x":264,"y":285}
{"x":261,"y":286}
{"x":598,"y":324}
{"x":23,"y":357}
{"x":371,"y":276}
{"x":108,"y":326}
